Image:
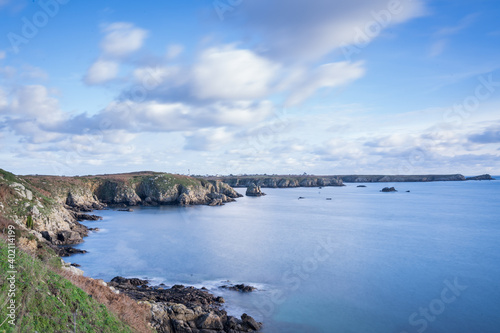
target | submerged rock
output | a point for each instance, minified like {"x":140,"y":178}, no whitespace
{"x":239,"y":287}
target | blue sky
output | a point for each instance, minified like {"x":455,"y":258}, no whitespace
{"x":250,"y":86}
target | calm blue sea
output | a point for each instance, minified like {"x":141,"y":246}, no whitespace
{"x":362,"y":262}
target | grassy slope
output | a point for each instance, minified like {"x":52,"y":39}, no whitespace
{"x":47,"y":302}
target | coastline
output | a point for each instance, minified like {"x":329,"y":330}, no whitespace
{"x":58,"y":203}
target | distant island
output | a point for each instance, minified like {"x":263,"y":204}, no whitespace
{"x":282,"y":181}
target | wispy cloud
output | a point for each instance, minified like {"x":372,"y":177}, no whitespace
{"x":462,"y":24}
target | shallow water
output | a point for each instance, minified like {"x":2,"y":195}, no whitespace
{"x":364,"y":261}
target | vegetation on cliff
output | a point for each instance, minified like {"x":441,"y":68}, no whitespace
{"x":45,"y":298}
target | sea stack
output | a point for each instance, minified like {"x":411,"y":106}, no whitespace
{"x":254,"y":191}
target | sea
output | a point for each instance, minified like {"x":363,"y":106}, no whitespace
{"x":340,"y":259}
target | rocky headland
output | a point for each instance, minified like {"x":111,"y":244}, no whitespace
{"x":481,"y":177}
{"x":57,"y":204}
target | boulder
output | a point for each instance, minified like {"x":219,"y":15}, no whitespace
{"x":250,"y":322}
{"x":66,"y":237}
{"x":388,"y":189}
{"x":254,"y":191}
{"x":209,"y":321}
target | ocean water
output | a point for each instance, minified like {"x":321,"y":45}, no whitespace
{"x":364,"y":261}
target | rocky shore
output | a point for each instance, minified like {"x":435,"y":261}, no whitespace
{"x":181,"y":309}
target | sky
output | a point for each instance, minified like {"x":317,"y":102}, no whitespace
{"x":250,"y":86}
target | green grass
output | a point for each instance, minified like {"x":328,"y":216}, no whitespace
{"x":10,"y":177}
{"x":48,"y":302}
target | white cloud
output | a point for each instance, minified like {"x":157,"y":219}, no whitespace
{"x":463,"y":24}
{"x":209,"y":139}
{"x":241,"y":113}
{"x":326,"y":76}
{"x":35,"y":101}
{"x":32,"y":112}
{"x":153,"y":116}
{"x":122,"y":39}
{"x":152,"y":77}
{"x":299,"y":30}
{"x":101,"y":71}
{"x":232,"y":74}
{"x":3,"y":54}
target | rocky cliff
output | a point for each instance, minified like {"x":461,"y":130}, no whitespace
{"x":336,"y":180}
{"x":399,"y":178}
{"x":56,"y":203}
{"x":280,"y":181}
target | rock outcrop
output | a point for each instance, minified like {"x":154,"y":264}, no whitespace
{"x":388,"y":189}
{"x":481,"y":177}
{"x":181,"y":309}
{"x":254,"y":191}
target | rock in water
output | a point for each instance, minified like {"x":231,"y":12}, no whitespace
{"x":254,"y":191}
{"x":388,"y":189}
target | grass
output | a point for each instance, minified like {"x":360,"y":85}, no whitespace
{"x":49,"y":299}
{"x":47,"y":302}
{"x":10,"y":177}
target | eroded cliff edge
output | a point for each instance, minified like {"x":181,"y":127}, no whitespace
{"x":56,"y":204}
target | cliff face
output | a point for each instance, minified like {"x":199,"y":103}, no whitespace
{"x":55,"y":203}
{"x":282,"y":181}
{"x":339,"y":180}
{"x":400,"y":178}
